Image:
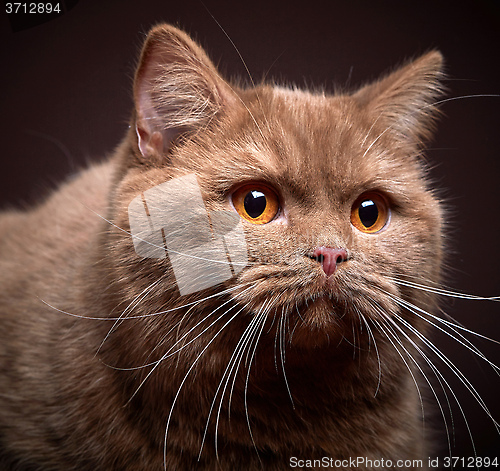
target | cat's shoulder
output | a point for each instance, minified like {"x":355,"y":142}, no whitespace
{"x":66,"y":217}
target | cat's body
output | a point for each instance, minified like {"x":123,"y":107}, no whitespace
{"x":322,"y":370}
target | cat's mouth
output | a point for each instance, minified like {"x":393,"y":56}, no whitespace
{"x":318,"y":278}
{"x":319,"y":303}
{"x":314,"y":294}
{"x":288,"y":284}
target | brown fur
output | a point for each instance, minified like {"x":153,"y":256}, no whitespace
{"x":69,"y":398}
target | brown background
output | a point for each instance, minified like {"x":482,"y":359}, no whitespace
{"x":65,"y":100}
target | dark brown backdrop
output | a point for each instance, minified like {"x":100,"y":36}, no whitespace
{"x":65,"y":100}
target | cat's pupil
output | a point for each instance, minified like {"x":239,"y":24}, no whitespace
{"x":368,"y":213}
{"x":255,"y":203}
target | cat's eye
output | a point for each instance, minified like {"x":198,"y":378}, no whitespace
{"x":370,"y":213}
{"x":256,"y":203}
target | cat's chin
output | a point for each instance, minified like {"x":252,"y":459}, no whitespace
{"x":318,"y":323}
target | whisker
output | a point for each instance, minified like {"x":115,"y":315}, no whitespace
{"x":377,"y":138}
{"x":414,"y":309}
{"x":462,"y":97}
{"x":443,"y":292}
{"x":240,"y":346}
{"x":283,"y":353}
{"x":441,"y":379}
{"x":259,"y":317}
{"x":422,"y":108}
{"x":249,"y":76}
{"x":371,"y":336}
{"x":436,"y":372}
{"x":263,"y":321}
{"x":169,"y":352}
{"x":383,"y":330}
{"x":135,"y":302}
{"x":142,"y":316}
{"x":369,"y":132}
{"x":184,"y":381}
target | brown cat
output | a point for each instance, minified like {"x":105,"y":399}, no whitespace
{"x":236,"y":287}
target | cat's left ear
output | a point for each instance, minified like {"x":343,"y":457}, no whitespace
{"x":177,"y":90}
{"x":405,"y":100}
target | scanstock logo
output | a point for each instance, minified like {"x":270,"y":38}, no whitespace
{"x":204,"y":248}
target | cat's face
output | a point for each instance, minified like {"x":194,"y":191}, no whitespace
{"x":307,"y":176}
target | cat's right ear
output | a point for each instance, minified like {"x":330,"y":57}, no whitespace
{"x":177,"y":91}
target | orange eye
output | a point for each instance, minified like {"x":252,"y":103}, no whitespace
{"x":370,"y":213}
{"x":256,"y":203}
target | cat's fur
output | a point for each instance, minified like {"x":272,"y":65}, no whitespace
{"x":69,"y":397}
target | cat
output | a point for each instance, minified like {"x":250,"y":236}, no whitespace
{"x":238,"y":286}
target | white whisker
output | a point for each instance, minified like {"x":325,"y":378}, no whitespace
{"x":263,"y":321}
{"x":143,"y":316}
{"x":249,"y":76}
{"x":135,"y":302}
{"x":260,"y":318}
{"x":282,"y":344}
{"x":422,"y":313}
{"x":237,"y":353}
{"x":372,"y":337}
{"x":184,"y":381}
{"x":383,"y":330}
{"x":171,"y":353}
{"x":436,"y":372}
{"x":443,"y":292}
{"x":463,"y":379}
{"x":441,"y":379}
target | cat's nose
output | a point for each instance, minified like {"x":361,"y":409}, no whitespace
{"x":329,"y":258}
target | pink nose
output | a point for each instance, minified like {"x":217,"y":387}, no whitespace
{"x":329,"y":258}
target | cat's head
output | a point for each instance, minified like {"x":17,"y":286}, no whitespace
{"x":295,"y":204}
